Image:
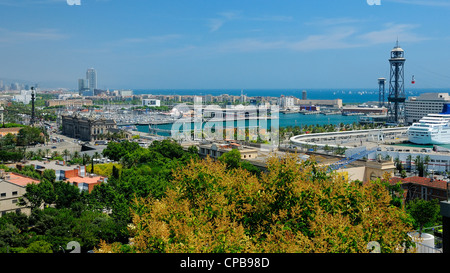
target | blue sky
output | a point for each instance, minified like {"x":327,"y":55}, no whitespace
{"x":223,"y":44}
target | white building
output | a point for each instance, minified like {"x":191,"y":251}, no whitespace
{"x":427,"y":103}
{"x":151,"y":102}
{"x":287,"y":102}
{"x":126,"y":93}
{"x":24,"y":97}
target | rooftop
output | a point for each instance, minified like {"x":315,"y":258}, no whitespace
{"x":19,"y":179}
{"x":86,"y":179}
{"x":424,"y":181}
{"x":54,"y":165}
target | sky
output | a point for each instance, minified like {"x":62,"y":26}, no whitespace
{"x":223,"y":44}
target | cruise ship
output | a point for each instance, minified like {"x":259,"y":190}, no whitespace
{"x":431,"y":129}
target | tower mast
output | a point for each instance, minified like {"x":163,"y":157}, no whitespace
{"x":396,"y":98}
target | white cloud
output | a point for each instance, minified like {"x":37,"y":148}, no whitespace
{"x":11,"y":36}
{"x":334,"y":38}
{"x":392,"y":32}
{"x":215,"y":24}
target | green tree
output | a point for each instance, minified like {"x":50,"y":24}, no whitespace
{"x":65,"y":153}
{"x":421,"y":165}
{"x":116,"y":150}
{"x":39,"y":247}
{"x":67,"y":195}
{"x":49,"y":175}
{"x":423,"y":212}
{"x":29,"y":135}
{"x":232,"y":159}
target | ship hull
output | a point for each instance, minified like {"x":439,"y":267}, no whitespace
{"x":439,"y":138}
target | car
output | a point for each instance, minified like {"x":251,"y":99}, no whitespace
{"x":53,"y":147}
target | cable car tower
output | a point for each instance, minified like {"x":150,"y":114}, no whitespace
{"x":397,"y":97}
{"x":381,"y":91}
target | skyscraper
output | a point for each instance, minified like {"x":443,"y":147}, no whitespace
{"x":91,"y":77}
{"x":82,"y":86}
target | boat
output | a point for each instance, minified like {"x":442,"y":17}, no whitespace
{"x":431,"y":129}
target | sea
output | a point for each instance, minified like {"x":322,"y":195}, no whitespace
{"x":348,"y":96}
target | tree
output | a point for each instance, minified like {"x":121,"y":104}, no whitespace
{"x":49,"y":175}
{"x":423,"y":212}
{"x":29,"y":135}
{"x":115,"y":150}
{"x":421,"y":165}
{"x":232,"y":159}
{"x":66,"y":153}
{"x":291,"y":208}
{"x":39,"y":247}
{"x":95,"y":156}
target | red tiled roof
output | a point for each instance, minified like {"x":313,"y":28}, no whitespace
{"x":424,"y":181}
{"x":20,"y":180}
{"x":86,"y":179}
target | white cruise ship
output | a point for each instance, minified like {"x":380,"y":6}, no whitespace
{"x":431,"y":129}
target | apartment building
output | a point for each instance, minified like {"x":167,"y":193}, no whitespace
{"x":12,"y":187}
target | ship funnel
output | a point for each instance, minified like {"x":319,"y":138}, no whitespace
{"x":446,"y":108}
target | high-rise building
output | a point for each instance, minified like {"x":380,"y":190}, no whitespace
{"x":82,"y":85}
{"x":91,"y":77}
{"x":426,"y":103}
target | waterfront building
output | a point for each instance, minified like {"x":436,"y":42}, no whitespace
{"x":125,"y":93}
{"x":336,"y":103}
{"x":364,"y":110}
{"x":73,"y":103}
{"x":427,"y":103}
{"x":286,"y":102}
{"x":86,"y":128}
{"x":151,"y":102}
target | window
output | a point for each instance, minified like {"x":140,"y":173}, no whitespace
{"x":14,"y":193}
{"x":14,"y":201}
{"x":3,"y":194}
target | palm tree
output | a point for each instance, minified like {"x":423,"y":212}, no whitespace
{"x":95,"y":156}
{"x":66,"y":153}
{"x":55,"y":154}
{"x":86,"y":158}
{"x":30,"y":154}
{"x":409,"y":161}
{"x":46,"y":152}
{"x":39,"y":153}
